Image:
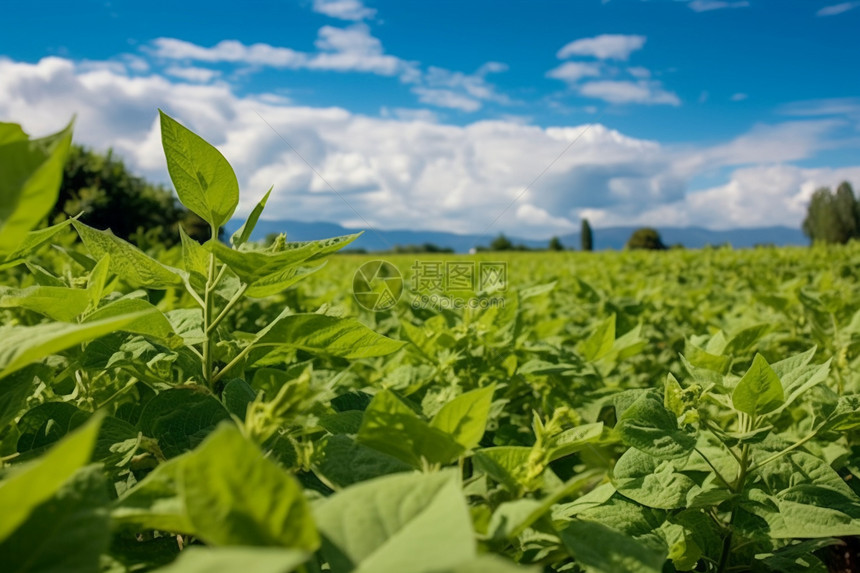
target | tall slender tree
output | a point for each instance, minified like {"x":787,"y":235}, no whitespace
{"x":586,"y":237}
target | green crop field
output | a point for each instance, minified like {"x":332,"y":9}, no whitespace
{"x":235,"y":407}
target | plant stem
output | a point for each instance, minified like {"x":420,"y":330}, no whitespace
{"x":747,"y":424}
{"x":236,"y":297}
{"x":234,"y":362}
{"x":207,"y":318}
{"x":713,"y":467}
{"x":781,"y":453}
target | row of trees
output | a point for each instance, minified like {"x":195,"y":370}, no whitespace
{"x":833,"y":217}
{"x":105,"y":194}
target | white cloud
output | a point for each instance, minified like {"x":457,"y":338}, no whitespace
{"x":622,"y":92}
{"x":739,"y":97}
{"x":446,"y":98}
{"x":572,"y":72}
{"x":639,"y":72}
{"x":405,"y":114}
{"x":708,"y":5}
{"x":400,"y":171}
{"x":837,"y":9}
{"x":192,"y":74}
{"x":849,"y":106}
{"x":351,"y":49}
{"x":230,"y":51}
{"x":344,"y":9}
{"x":603,"y":47}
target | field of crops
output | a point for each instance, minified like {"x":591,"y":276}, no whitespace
{"x":226,"y":407}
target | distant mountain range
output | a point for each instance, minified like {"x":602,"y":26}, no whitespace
{"x":604,"y":238}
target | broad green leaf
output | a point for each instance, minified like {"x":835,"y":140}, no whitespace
{"x":512,"y":518}
{"x":30,"y":175}
{"x":344,"y":462}
{"x":600,"y":342}
{"x":650,"y":427}
{"x":391,"y":427}
{"x":572,"y":440}
{"x":744,"y":339}
{"x":151,"y":321}
{"x":29,"y":485}
{"x":204,"y":180}
{"x":225,"y":492}
{"x":465,"y":417}
{"x":66,"y":533}
{"x":196,"y":559}
{"x":127,"y":261}
{"x":276,"y":282}
{"x":228,"y":476}
{"x":24,"y":345}
{"x":10,"y":132}
{"x":797,"y":376}
{"x":347,"y":422}
{"x":324,"y":335}
{"x":32,"y":242}
{"x":43,"y":276}
{"x":487,"y":563}
{"x":759,"y":391}
{"x":251,"y":266}
{"x":243,"y":235}
{"x":705,"y":360}
{"x":15,"y":389}
{"x":412,"y":523}
{"x":59,"y":303}
{"x":650,"y":481}
{"x":47,"y":423}
{"x":798,"y":557}
{"x":236,"y":396}
{"x":846,"y":414}
{"x":97,"y":281}
{"x":181,"y":418}
{"x":156,"y":502}
{"x":600,"y":549}
{"x":194,"y":256}
{"x":505,"y":464}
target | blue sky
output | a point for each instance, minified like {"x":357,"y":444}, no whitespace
{"x":440,"y":114}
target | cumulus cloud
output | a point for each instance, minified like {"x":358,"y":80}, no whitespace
{"x":835,"y":9}
{"x":606,"y":81}
{"x":192,"y":74}
{"x":409,"y":171}
{"x":621,"y":92}
{"x":708,"y":5}
{"x":603,"y":47}
{"x":344,"y":9}
{"x":351,"y":49}
{"x":572,"y":72}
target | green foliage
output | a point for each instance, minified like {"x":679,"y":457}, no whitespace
{"x":30,"y":175}
{"x":103,"y":191}
{"x":229,"y":408}
{"x":833,"y":218}
{"x":501,"y":243}
{"x":645,"y":238}
{"x":555,"y":244}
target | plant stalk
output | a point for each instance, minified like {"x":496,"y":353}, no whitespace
{"x":208,"y":311}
